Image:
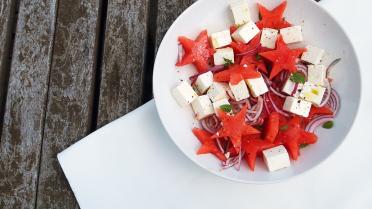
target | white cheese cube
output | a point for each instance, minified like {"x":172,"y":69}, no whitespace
{"x":313,"y":55}
{"x":246,"y":32}
{"x":223,"y":54}
{"x":292,"y":34}
{"x":268,"y":38}
{"x":312,"y":93}
{"x":297,"y":106}
{"x":184,"y":94}
{"x":217,"y":105}
{"x":276,"y":158}
{"x":240,"y":10}
{"x":317,"y":74}
{"x":240,"y":90}
{"x":257,"y":86}
{"x":217,"y":91}
{"x":221,"y":39}
{"x":204,"y":81}
{"x":291,"y":88}
{"x":202,"y":107}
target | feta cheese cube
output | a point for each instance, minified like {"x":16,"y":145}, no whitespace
{"x":312,"y":93}
{"x":184,"y":94}
{"x":217,"y":105}
{"x":313,"y":55}
{"x":292,"y":34}
{"x":246,"y":32}
{"x":297,"y":106}
{"x":240,"y":10}
{"x":240,"y":90}
{"x":268,"y":38}
{"x":221,"y":39}
{"x":257,"y":86}
{"x":291,"y":88}
{"x":217,"y":91}
{"x":222,"y":54}
{"x":317,"y":74}
{"x":276,"y":158}
{"x":204,"y":81}
{"x":202,"y":107}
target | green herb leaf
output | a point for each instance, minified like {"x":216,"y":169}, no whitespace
{"x":328,"y":125}
{"x":283,"y":128}
{"x":228,"y":62}
{"x":303,"y":145}
{"x":297,"y":77}
{"x":259,"y":127}
{"x":226,"y":108}
{"x":259,"y":16}
{"x":258,"y":57}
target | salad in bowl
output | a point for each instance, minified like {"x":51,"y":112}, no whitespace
{"x":257,"y":91}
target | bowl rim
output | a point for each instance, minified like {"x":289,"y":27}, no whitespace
{"x":219,"y":174}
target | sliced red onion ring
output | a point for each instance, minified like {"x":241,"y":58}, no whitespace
{"x":267,"y":80}
{"x":334,"y":102}
{"x":214,"y":69}
{"x":238,"y":164}
{"x":272,"y":89}
{"x":327,"y":93}
{"x":220,"y":146}
{"x":250,"y":52}
{"x":302,"y":68}
{"x":211,"y":124}
{"x":275,"y":107}
{"x":332,"y":65}
{"x":259,"y":107}
{"x":265,"y":102}
{"x":318,"y":121}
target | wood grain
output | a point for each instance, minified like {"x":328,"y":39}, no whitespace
{"x":25,"y":106}
{"x":70,"y":97}
{"x":123,"y":59}
{"x":168,"y":11}
{"x":7,"y":10}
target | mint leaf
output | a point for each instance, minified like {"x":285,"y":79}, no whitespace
{"x":328,"y":125}
{"x":297,"y":77}
{"x":303,"y":145}
{"x":226,"y":108}
{"x":283,"y":128}
{"x":228,"y":62}
{"x":258,"y":57}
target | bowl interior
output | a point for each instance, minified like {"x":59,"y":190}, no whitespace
{"x":319,"y":29}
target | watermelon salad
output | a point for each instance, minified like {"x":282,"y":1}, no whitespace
{"x":255,"y":94}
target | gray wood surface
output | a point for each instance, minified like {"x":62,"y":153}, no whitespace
{"x":123,"y":59}
{"x":168,"y":11}
{"x":7,"y":10}
{"x":75,"y":65}
{"x":70,"y":97}
{"x":27,"y":92}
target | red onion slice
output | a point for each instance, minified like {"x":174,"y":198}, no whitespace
{"x":318,"y":121}
{"x":302,"y":68}
{"x":275,"y":107}
{"x":180,"y":52}
{"x":272,"y":89}
{"x":327,"y":94}
{"x":211,"y":124}
{"x":250,"y":52}
{"x":214,"y":69}
{"x":332,"y":65}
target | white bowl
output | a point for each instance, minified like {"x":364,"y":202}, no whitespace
{"x":319,"y":29}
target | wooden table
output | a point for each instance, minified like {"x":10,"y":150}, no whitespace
{"x":68,"y":67}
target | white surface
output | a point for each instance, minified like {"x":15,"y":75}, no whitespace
{"x":204,"y":81}
{"x":105,"y":173}
{"x":268,"y":38}
{"x":202,"y":107}
{"x":318,"y":29}
{"x":313,"y":54}
{"x":257,"y":86}
{"x":316,"y":74}
{"x":220,"y":39}
{"x":240,"y":11}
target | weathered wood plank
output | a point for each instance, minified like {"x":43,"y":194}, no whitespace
{"x":168,"y":11}
{"x":123,"y":59}
{"x":69,"y":108}
{"x":25,"y":106}
{"x":7,"y":9}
